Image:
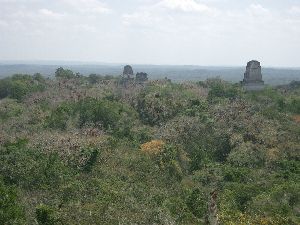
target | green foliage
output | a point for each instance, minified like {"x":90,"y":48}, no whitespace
{"x":275,"y":101}
{"x":64,"y":73}
{"x":111,"y":115}
{"x":38,"y":77}
{"x":289,"y":169}
{"x":10,"y":108}
{"x":59,"y":117}
{"x":157,"y":104}
{"x":236,"y":174}
{"x":171,"y":160}
{"x":179,"y":210}
{"x":45,"y":215}
{"x":29,"y":167}
{"x":11,"y":211}
{"x":220,"y":89}
{"x":281,"y":200}
{"x":90,"y":155}
{"x":197,"y":202}
{"x":18,"y":86}
{"x":199,"y":139}
{"x":99,"y":111}
{"x":197,"y":108}
{"x":293,"y":105}
{"x":147,"y":154}
{"x":4,"y":87}
{"x":237,"y":196}
{"x":94,"y":78}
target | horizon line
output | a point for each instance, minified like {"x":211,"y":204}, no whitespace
{"x":100,"y":63}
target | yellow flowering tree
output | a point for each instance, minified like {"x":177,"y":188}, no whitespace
{"x":153,"y":147}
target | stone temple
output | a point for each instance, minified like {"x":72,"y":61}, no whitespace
{"x":128,"y":72}
{"x":253,"y":77}
{"x":141,"y":77}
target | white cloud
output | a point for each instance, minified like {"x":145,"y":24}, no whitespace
{"x":258,"y":10}
{"x":3,"y":23}
{"x":294,"y":10}
{"x":184,"y":5}
{"x":88,"y":6}
{"x":141,"y":18}
{"x":180,"y":31}
{"x":168,"y":15}
{"x":85,"y":28}
{"x":50,"y":14}
{"x":40,"y":17}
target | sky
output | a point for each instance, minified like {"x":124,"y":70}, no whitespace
{"x":174,"y":32}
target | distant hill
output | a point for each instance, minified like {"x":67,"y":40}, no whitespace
{"x":271,"y":76}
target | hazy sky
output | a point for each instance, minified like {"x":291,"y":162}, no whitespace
{"x":199,"y":32}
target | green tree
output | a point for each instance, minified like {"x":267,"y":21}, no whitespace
{"x":64,"y":73}
{"x":11,"y":211}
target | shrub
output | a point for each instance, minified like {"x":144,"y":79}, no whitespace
{"x":197,"y":202}
{"x":238,"y":196}
{"x":45,"y":215}
{"x":59,"y":117}
{"x":11,"y":212}
{"x":95,"y":78}
{"x":179,"y":210}
{"x":19,"y":85}
{"x":153,"y":147}
{"x":4,"y":87}
{"x":111,"y":115}
{"x":168,"y":157}
{"x":10,"y":108}
{"x":294,"y":105}
{"x":158,"y":104}
{"x":30,"y":168}
{"x":64,"y":73}
{"x":89,"y":158}
{"x":221,"y":89}
{"x":198,"y":138}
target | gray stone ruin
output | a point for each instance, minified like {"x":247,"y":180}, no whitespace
{"x":253,"y":77}
{"x":141,"y":77}
{"x":128,"y":72}
{"x":128,"y":77}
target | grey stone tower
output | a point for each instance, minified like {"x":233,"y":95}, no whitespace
{"x":128,"y":72}
{"x":253,"y":77}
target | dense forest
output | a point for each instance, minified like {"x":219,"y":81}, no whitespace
{"x":103,"y":150}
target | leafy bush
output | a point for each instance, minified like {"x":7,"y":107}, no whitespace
{"x":94,"y":78}
{"x":221,"y":89}
{"x":30,"y":168}
{"x":179,"y":210}
{"x":111,"y":116}
{"x":100,"y":164}
{"x":168,"y":157}
{"x":153,"y":147}
{"x":294,"y":105}
{"x":4,"y":87}
{"x":158,"y":104}
{"x":18,"y":86}
{"x":237,"y":196}
{"x":64,"y":73}
{"x":11,"y":212}
{"x":90,"y":155}
{"x":45,"y":215}
{"x":59,"y":117}
{"x":108,"y":114}
{"x":199,"y":139}
{"x":10,"y":108}
{"x":197,"y":202}
{"x":278,"y":204}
